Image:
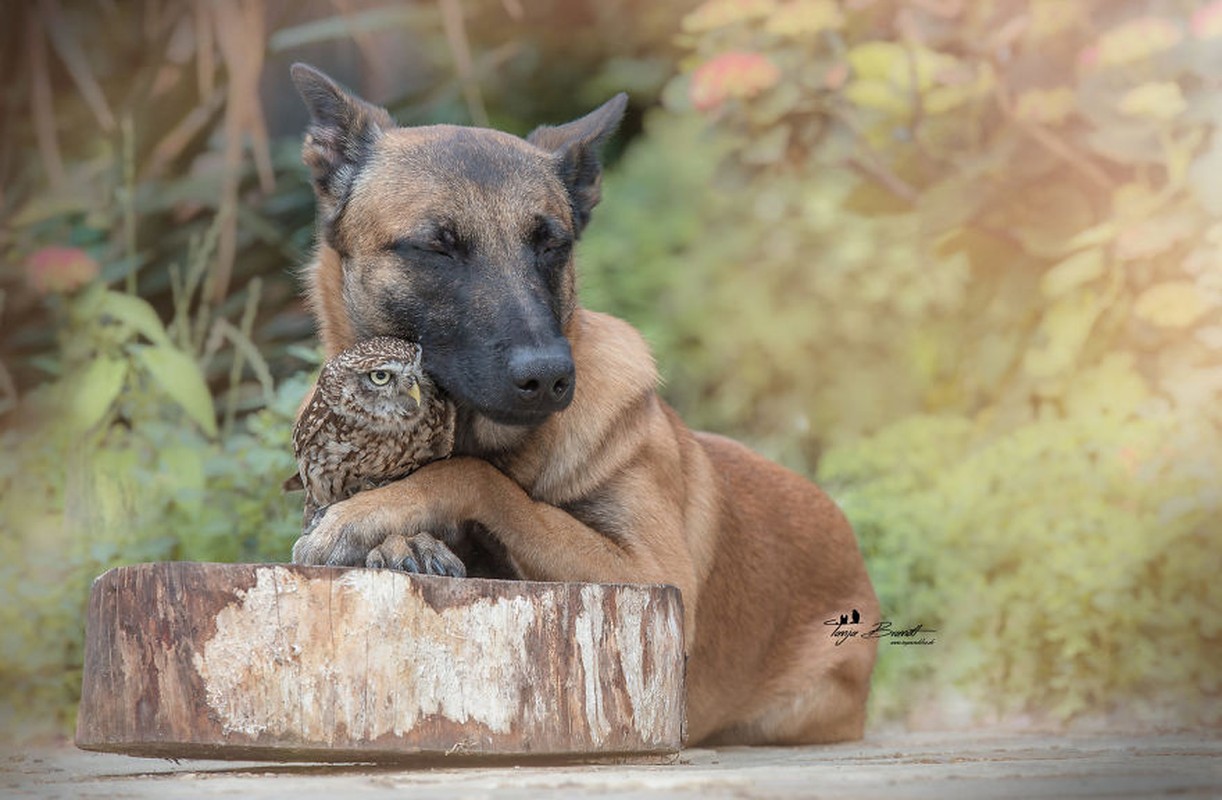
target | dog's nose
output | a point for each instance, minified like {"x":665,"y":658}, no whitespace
{"x":542,"y":377}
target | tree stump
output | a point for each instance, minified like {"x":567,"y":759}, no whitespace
{"x":284,"y":662}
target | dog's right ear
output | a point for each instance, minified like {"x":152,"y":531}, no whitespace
{"x":342,"y":132}
{"x":576,"y":146}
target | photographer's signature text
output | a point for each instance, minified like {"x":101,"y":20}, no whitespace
{"x":843,"y":630}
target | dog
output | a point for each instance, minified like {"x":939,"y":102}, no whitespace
{"x":462,"y":239}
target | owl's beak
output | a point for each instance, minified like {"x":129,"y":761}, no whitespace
{"x":414,"y":392}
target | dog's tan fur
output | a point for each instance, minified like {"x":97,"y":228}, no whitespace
{"x":615,"y":488}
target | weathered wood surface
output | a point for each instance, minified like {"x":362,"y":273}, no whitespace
{"x":263,"y":661}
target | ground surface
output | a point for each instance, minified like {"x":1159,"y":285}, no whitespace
{"x":896,"y":767}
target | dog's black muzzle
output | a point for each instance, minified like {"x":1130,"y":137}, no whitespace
{"x":541,"y":378}
{"x":523,"y":387}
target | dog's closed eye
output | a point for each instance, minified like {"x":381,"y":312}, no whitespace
{"x":549,"y":238}
{"x":444,"y":241}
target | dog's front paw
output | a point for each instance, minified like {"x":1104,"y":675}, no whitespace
{"x":343,"y":534}
{"x":422,"y":554}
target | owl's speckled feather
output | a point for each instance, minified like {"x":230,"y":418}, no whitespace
{"x":363,"y":428}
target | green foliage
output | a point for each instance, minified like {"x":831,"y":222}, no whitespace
{"x":1066,"y":564}
{"x":147,"y":137}
{"x":116,"y":145}
{"x":962,"y":264}
{"x":553,"y":60}
{"x":149,"y":223}
{"x":960,"y":261}
{"x":119,"y":459}
{"x":112,"y":338}
{"x":150,"y":485}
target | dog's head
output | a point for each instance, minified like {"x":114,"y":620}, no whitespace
{"x":460,"y":239}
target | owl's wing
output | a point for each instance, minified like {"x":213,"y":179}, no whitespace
{"x":309,"y":423}
{"x":309,"y":450}
{"x":443,"y":434}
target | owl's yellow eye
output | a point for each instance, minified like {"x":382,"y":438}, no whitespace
{"x":379,"y":377}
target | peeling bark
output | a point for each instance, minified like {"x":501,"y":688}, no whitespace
{"x":291,"y":662}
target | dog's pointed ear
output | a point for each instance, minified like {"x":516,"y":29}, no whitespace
{"x":343,"y":129}
{"x":577,"y":146}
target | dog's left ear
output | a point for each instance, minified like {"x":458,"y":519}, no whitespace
{"x":577,"y":146}
{"x":343,"y":129}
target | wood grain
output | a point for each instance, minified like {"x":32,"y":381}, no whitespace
{"x":285,"y":662}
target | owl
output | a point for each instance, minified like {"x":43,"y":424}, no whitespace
{"x":374,"y":417}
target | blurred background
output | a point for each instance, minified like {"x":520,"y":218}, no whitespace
{"x":960,"y":261}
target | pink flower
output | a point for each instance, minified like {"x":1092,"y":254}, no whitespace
{"x":1131,"y":41}
{"x":731,"y":75}
{"x":60,"y":270}
{"x":1207,"y":21}
{"x":1089,"y":57}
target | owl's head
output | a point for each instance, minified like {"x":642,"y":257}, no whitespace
{"x":377,"y":381}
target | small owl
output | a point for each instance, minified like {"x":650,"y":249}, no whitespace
{"x":374,"y":417}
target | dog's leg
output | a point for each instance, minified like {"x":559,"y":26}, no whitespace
{"x":545,"y":542}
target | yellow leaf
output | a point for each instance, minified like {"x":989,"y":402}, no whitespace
{"x":805,"y":18}
{"x":1174,"y":304}
{"x":716,"y":14}
{"x":1156,"y":100}
{"x":1062,"y":333}
{"x":877,"y":60}
{"x":1151,"y":237}
{"x":94,"y":390}
{"x":1114,"y":386}
{"x":1046,"y":106}
{"x":1050,"y":17}
{"x":1099,"y":234}
{"x":136,"y":312}
{"x":877,"y":95}
{"x":179,"y":376}
{"x":1134,"y":201}
{"x":898,"y":64}
{"x":1132,"y":41}
{"x":886,"y":76}
{"x":113,"y":484}
{"x":1082,"y":267}
{"x":941,"y":99}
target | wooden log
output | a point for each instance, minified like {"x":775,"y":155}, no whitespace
{"x":284,"y":662}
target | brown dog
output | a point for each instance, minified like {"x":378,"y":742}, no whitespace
{"x":461,"y":239}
